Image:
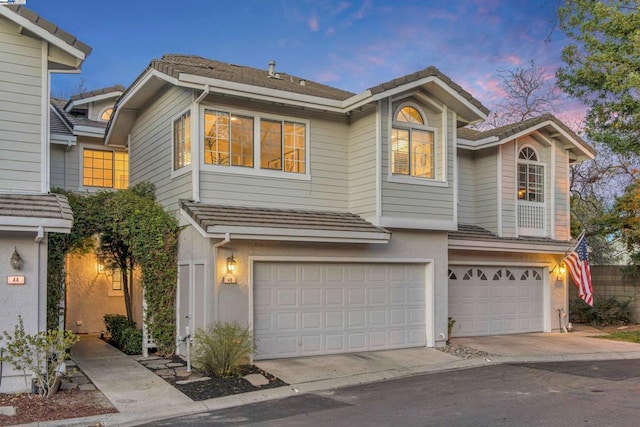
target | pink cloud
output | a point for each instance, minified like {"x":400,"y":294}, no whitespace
{"x":327,"y":77}
{"x":313,"y":23}
{"x":377,"y":60}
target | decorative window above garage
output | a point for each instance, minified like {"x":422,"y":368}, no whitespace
{"x":531,"y":206}
{"x":412,"y":144}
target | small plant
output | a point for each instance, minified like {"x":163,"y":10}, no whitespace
{"x":41,"y":355}
{"x":450,"y":322}
{"x":222,"y":348}
{"x":116,"y":324}
{"x":131,"y":341}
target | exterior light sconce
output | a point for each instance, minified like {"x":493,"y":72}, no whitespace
{"x":561,"y":271}
{"x":100,"y":268}
{"x":16,"y":260}
{"x":230,"y":278}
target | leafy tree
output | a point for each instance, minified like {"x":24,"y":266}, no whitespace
{"x":624,"y":221}
{"x":602,"y":68}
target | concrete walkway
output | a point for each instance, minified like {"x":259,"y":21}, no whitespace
{"x":141,"y":396}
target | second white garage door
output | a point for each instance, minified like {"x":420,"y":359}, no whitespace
{"x":304,"y":309}
{"x":495,"y":300}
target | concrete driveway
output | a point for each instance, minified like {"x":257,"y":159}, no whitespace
{"x":308,"y":374}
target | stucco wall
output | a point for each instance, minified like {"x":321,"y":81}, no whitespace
{"x":28,"y":300}
{"x":90,"y":296}
{"x":231,"y":302}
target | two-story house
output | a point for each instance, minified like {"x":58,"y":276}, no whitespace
{"x":31,"y":48}
{"x":328,"y":221}
{"x":81,"y":163}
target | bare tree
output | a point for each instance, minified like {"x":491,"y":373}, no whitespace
{"x":528,"y":92}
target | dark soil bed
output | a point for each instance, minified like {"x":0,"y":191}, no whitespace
{"x":208,"y":388}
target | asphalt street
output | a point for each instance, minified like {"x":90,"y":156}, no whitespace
{"x":602,"y":393}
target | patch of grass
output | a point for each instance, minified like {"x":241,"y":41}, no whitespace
{"x":629,"y":336}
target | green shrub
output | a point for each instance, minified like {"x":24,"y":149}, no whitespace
{"x":42,"y":355}
{"x":603,"y":313}
{"x":131,"y":341}
{"x":221,"y":349}
{"x":116,"y":324}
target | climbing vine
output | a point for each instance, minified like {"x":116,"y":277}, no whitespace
{"x":133,"y":218}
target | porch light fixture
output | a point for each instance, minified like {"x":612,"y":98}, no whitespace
{"x":16,"y":260}
{"x":231,"y":264}
{"x":561,"y":270}
{"x":100,"y":268}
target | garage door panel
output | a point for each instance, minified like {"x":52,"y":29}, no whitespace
{"x":508,"y":301}
{"x":354,"y":307}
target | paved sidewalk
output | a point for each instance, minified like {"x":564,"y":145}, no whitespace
{"x":141,"y":396}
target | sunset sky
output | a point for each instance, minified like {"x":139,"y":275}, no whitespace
{"x":352,"y":45}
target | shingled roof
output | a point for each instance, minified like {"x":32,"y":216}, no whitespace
{"x":173,"y":65}
{"x":51,"y":28}
{"x":504,"y":132}
{"x":72,"y":120}
{"x":486,"y":239}
{"x":51,"y":211}
{"x":278,"y":223}
{"x":97,"y":92}
{"x":429,"y":72}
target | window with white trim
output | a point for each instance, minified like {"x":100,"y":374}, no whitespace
{"x":530,"y":176}
{"x":254,"y":142}
{"x":105,"y":169}
{"x":412,"y":145}
{"x":106,"y":114}
{"x":228,"y":139}
{"x":182,"y":141}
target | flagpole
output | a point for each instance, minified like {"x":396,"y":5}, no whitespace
{"x":576,"y":241}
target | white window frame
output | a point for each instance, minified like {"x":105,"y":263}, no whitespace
{"x":187,"y":168}
{"x":101,"y":112}
{"x":90,"y":188}
{"x":537,"y":162}
{"x":255,"y":170}
{"x":531,"y":205}
{"x":439,"y":149}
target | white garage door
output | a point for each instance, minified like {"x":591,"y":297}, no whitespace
{"x":303,"y":309}
{"x":495,"y":300}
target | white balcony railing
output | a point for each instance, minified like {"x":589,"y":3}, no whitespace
{"x":531,"y":219}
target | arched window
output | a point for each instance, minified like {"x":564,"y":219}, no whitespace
{"x":530,"y":176}
{"x":412,"y":144}
{"x":106,"y":114}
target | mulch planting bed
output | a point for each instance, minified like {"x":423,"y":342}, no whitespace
{"x":198,"y":387}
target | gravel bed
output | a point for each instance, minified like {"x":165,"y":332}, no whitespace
{"x":462,"y":351}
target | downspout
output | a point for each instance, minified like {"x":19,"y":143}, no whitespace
{"x":42,"y":297}
{"x":216,"y":246}
{"x":195,"y":143}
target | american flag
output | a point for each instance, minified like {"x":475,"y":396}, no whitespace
{"x":578,"y":264}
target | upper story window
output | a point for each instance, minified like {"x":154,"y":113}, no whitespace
{"x":182,"y":141}
{"x":412,"y":145}
{"x":260,"y":145}
{"x":530,"y":176}
{"x":106,"y":114}
{"x":105,"y":169}
{"x":282,"y":146}
{"x":228,"y":139}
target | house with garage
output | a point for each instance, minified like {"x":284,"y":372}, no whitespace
{"x":332,"y":222}
{"x":81,"y":163}
{"x":31,"y":48}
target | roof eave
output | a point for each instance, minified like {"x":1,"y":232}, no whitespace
{"x":264,"y":94}
{"x":76,"y":102}
{"x":460,"y":105}
{"x":496,"y":245}
{"x":42,"y":33}
{"x":18,"y":223}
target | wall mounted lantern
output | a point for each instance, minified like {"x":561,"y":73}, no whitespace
{"x":16,"y":260}
{"x":561,"y":270}
{"x":230,"y":278}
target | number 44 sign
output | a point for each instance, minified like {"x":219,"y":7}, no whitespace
{"x":15,"y":280}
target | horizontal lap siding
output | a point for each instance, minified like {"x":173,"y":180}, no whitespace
{"x":150,"y":147}
{"x":486,"y":188}
{"x":466,"y":187}
{"x":20,"y":110}
{"x":362,"y":166}
{"x":415,"y":201}
{"x":509,"y":190}
{"x":562,"y":217}
{"x":327,"y":189}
